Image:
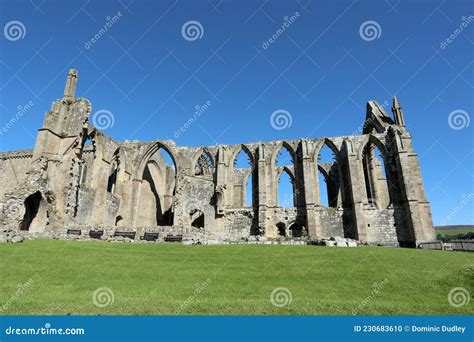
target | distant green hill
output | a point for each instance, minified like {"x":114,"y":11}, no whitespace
{"x":454,"y":232}
{"x":461,"y":227}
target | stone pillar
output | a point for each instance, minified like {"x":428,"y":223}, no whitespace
{"x":262,"y":188}
{"x":71,"y":84}
{"x":134,"y":202}
{"x":413,"y":196}
{"x":357,"y":190}
{"x":309,"y":188}
{"x":221,"y":181}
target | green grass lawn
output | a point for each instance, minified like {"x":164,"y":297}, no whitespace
{"x":60,"y":277}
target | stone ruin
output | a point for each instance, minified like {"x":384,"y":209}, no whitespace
{"x":78,"y":181}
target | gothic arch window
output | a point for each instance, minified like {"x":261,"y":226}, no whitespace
{"x":286,"y":185}
{"x":204,"y":165}
{"x":285,"y":156}
{"x":112,"y":181}
{"x":243,"y":179}
{"x":286,"y":189}
{"x":157,"y":190}
{"x":328,"y":176}
{"x":88,"y":154}
{"x":377,"y":183}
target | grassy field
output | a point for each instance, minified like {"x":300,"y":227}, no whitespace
{"x":453,"y":231}
{"x":60,"y":277}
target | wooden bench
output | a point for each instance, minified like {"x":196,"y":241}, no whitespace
{"x":73,"y":232}
{"x":174,"y":238}
{"x":148,"y":236}
{"x":130,"y":235}
{"x":96,"y":234}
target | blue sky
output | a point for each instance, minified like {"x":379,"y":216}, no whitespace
{"x":321,"y":70}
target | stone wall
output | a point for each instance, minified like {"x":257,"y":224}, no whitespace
{"x":76,"y":176}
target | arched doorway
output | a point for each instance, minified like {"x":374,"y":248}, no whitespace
{"x":281,"y":229}
{"x":296,"y":230}
{"x":35,"y":217}
{"x":157,"y":190}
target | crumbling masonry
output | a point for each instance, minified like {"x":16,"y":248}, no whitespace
{"x":78,"y":180}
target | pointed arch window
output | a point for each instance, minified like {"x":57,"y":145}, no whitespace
{"x":204,"y":165}
{"x":377,"y":182}
{"x":244,"y":179}
{"x":328,"y":177}
{"x":112,"y":181}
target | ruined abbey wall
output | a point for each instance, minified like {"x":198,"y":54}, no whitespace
{"x":79,"y":179}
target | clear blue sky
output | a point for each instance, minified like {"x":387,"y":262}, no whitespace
{"x":320,"y":70}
